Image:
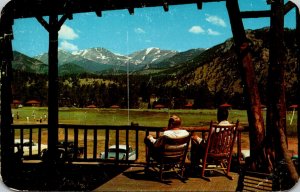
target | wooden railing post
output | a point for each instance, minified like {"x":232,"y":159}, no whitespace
{"x":39,"y":140}
{"x":106,"y":142}
{"x":85,"y":143}
{"x":239,"y":147}
{"x":117,"y":145}
{"x":76,"y":138}
{"x":95,"y":144}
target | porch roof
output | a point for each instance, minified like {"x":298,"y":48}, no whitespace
{"x":38,"y":8}
{"x":34,"y":8}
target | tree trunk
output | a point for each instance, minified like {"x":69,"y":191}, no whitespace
{"x":255,"y":118}
{"x":276,"y":113}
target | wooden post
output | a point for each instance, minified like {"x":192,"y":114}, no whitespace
{"x":276,"y":109}
{"x":298,"y":77}
{"x":53,"y":27}
{"x":53,"y":85}
{"x":275,"y":85}
{"x":7,"y":137}
{"x":243,"y":48}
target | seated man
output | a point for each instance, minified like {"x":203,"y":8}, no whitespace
{"x":173,"y":131}
{"x":199,"y":144}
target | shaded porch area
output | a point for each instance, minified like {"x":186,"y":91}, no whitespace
{"x":111,"y":177}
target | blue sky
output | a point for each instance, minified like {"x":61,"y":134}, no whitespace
{"x":182,"y":28}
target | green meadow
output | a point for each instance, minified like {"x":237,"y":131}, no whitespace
{"x":144,"y":117}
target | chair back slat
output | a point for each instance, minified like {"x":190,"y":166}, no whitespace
{"x":175,"y":149}
{"x":172,"y":154}
{"x":221,"y":139}
{"x":219,"y":147}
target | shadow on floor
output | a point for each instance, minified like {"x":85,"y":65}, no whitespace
{"x":69,"y":177}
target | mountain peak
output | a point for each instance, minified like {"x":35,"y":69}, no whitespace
{"x":148,"y":50}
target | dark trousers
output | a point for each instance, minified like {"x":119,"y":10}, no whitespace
{"x":151,"y":150}
{"x":197,"y":152}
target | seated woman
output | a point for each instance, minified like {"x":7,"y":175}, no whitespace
{"x":199,"y":144}
{"x":172,"y":131}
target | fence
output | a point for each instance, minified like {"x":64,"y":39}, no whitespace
{"x":91,"y":143}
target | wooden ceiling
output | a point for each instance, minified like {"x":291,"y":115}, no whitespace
{"x":33,"y":8}
{"x":36,"y":8}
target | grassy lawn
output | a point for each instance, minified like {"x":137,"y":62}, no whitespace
{"x":144,"y":117}
{"x":152,"y":118}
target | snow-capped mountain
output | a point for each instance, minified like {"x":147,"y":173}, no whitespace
{"x":151,"y":55}
{"x":103,"y":56}
{"x":99,"y":59}
{"x":65,"y":57}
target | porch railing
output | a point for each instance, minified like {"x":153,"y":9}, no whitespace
{"x":88,"y":141}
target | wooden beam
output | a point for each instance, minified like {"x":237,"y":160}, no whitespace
{"x":62,"y":20}
{"x":166,"y":6}
{"x":7,"y":158}
{"x":276,"y":107}
{"x":243,"y":51}
{"x":53,"y":86}
{"x":298,"y":76}
{"x":42,"y":21}
{"x":53,"y":28}
{"x":199,"y":4}
{"x":288,"y":7}
{"x":255,"y":14}
{"x":26,"y":9}
{"x":131,"y":10}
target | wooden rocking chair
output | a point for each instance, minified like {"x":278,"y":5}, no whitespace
{"x":169,"y":158}
{"x":218,"y":150}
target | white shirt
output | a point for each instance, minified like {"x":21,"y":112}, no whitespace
{"x":179,"y":133}
{"x":225,"y":122}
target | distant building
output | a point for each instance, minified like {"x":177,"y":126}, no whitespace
{"x":189,"y":104}
{"x":33,"y":103}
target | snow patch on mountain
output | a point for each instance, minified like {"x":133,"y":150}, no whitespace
{"x":95,"y":59}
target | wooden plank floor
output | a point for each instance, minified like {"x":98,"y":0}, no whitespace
{"x":134,"y":179}
{"x":36,"y":176}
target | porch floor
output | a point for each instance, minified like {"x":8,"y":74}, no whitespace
{"x":110,"y":177}
{"x":134,"y":179}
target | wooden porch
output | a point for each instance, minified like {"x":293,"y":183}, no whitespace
{"x":90,"y":172}
{"x":134,"y":179}
{"x":111,"y":177}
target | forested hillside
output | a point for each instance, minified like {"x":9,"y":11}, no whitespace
{"x":208,"y":77}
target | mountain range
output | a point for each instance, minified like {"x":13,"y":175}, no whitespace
{"x":101,"y":60}
{"x":216,"y":67}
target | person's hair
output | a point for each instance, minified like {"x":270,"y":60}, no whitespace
{"x":222,"y":114}
{"x":174,"y":121}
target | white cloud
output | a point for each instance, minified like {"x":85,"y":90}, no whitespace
{"x":67,"y":33}
{"x":196,"y":30}
{"x":215,"y":20}
{"x":65,"y":45}
{"x":212,"y":32}
{"x":139,"y":30}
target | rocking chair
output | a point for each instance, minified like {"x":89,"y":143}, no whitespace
{"x":169,"y":158}
{"x":218,"y":150}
